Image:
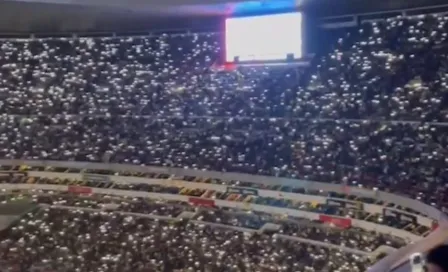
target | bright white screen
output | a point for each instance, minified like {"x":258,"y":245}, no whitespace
{"x":267,"y":37}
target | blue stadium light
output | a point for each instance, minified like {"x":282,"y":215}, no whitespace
{"x":261,"y":7}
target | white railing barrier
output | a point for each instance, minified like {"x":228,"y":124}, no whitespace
{"x":270,"y":227}
{"x":397,"y":258}
{"x":380,"y":250}
{"x":220,"y":203}
{"x":6,"y":220}
{"x":324,"y":244}
{"x":370,"y":208}
{"x":385,"y":265}
{"x":416,"y":205}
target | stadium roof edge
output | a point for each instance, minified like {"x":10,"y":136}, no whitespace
{"x":18,"y":17}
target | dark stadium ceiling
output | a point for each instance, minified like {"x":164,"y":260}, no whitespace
{"x":208,"y":7}
{"x":144,"y":15}
{"x":176,"y":7}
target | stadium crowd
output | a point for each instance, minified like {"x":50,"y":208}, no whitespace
{"x":247,"y":222}
{"x":75,"y":240}
{"x":134,"y":205}
{"x":369,"y":113}
{"x":99,"y":233}
{"x":355,"y":237}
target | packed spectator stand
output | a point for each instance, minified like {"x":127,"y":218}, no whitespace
{"x":62,"y":239}
{"x":372,"y":113}
{"x":294,"y":204}
{"x":369,"y":113}
{"x":46,"y":238}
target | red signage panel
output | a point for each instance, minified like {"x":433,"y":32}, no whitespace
{"x":201,"y":202}
{"x":79,"y":190}
{"x":337,"y":221}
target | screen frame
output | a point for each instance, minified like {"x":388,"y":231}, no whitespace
{"x":230,"y":59}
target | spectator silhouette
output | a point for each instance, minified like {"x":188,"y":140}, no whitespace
{"x":438,"y":259}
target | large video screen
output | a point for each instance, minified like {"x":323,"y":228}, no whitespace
{"x":264,"y":38}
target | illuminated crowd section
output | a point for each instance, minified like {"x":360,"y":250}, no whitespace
{"x":371,"y":114}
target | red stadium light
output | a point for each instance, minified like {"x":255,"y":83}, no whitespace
{"x":226,"y":67}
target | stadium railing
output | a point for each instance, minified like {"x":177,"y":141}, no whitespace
{"x":403,"y":201}
{"x":392,"y":261}
{"x":219,"y":203}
